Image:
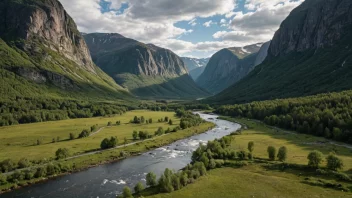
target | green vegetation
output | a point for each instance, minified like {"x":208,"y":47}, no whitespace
{"x":325,"y":115}
{"x":305,"y":73}
{"x":278,"y":178}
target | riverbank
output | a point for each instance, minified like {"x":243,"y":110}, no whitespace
{"x":109,"y":156}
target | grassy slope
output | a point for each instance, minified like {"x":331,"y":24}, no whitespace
{"x":18,"y":141}
{"x":161,"y":87}
{"x":251,"y":181}
{"x":296,"y":74}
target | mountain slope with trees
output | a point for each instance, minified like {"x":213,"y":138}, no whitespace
{"x":148,"y":71}
{"x":309,"y":54}
{"x":44,"y":55}
{"x":228,"y":66}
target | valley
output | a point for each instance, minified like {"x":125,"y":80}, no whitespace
{"x":132,"y":99}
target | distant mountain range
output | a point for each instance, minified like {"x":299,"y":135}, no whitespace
{"x":311,"y":53}
{"x":148,"y":71}
{"x":44,"y":55}
{"x":194,"y":63}
{"x":230,"y":65}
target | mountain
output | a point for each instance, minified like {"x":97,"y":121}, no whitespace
{"x":311,"y":53}
{"x":195,"y":73}
{"x":194,"y":63}
{"x":148,"y":71}
{"x":229,"y":66}
{"x":43,"y":54}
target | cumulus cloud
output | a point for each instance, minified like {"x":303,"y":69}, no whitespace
{"x":153,"y":21}
{"x":258,"y":25}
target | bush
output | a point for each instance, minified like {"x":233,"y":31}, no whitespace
{"x":72,"y":136}
{"x":314,"y":159}
{"x":135,"y":135}
{"x":212,"y":164}
{"x":93,"y":128}
{"x":15,"y":177}
{"x":109,"y":123}
{"x":151,"y":179}
{"x":52,"y":169}
{"x":250,"y":146}
{"x":3,"y":179}
{"x":109,"y":143}
{"x":175,"y":180}
{"x":127,"y":192}
{"x":170,"y":122}
{"x":271,"y":152}
{"x":166,"y":119}
{"x":333,"y":162}
{"x":85,"y":133}
{"x":7,"y":165}
{"x":62,"y":153}
{"x":242,"y":155}
{"x":29,"y":174}
{"x":40,"y":172}
{"x":139,"y":187}
{"x":23,"y":163}
{"x":282,"y":154}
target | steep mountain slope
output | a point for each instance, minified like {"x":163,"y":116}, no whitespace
{"x":195,"y":73}
{"x":311,"y":53}
{"x":229,"y":66}
{"x":146,"y":70}
{"x":43,"y":54}
{"x":194,"y":63}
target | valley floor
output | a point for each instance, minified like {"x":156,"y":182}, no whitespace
{"x":259,"y":179}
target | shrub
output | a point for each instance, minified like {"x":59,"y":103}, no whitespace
{"x":212,"y":164}
{"x":282,"y":154}
{"x":3,"y":179}
{"x":127,"y":192}
{"x":150,"y":121}
{"x":166,"y":119}
{"x":250,"y":146}
{"x":242,"y":155}
{"x":271,"y":152}
{"x":15,"y":177}
{"x":139,"y":187}
{"x":40,"y":172}
{"x":109,"y":123}
{"x":93,"y":128}
{"x":135,"y":135}
{"x":72,"y":136}
{"x":170,"y":122}
{"x":314,"y":159}
{"x":29,"y":174}
{"x":7,"y":165}
{"x":151,"y":179}
{"x":52,"y":169}
{"x":23,"y":163}
{"x":109,"y":143}
{"x":175,"y":180}
{"x":84,"y":134}
{"x":62,"y":153}
{"x":333,"y":162}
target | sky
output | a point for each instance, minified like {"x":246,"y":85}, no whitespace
{"x":193,"y":28}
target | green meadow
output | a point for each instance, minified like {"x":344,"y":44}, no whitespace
{"x":20,"y":141}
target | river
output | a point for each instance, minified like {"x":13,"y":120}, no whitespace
{"x":108,"y":180}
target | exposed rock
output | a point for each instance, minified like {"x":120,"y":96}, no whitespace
{"x":314,"y":24}
{"x":194,"y":63}
{"x":46,"y":22}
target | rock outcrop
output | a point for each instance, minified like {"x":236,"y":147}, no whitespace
{"x":194,"y":63}
{"x":230,"y":65}
{"x":140,"y":67}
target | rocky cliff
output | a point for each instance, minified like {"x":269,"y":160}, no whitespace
{"x":194,"y":63}
{"x":140,"y":67}
{"x":311,"y":53}
{"x":229,"y":66}
{"x":42,"y":45}
{"x":314,"y":24}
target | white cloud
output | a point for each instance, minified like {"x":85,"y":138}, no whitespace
{"x":192,"y":22}
{"x":153,"y":21}
{"x":208,"y":23}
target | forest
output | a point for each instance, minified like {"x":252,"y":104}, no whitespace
{"x":30,"y":110}
{"x":326,"y":115}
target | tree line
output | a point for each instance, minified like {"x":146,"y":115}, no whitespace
{"x":325,"y":115}
{"x":29,"y":110}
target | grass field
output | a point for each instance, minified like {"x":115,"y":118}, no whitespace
{"x":19,"y":141}
{"x":298,"y":145}
{"x":257,"y":180}
{"x":251,"y":181}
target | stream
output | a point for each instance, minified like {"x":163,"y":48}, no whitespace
{"x":108,"y":180}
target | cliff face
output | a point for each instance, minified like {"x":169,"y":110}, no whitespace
{"x":194,"y":63}
{"x":140,"y":67}
{"x":314,"y":24}
{"x":43,"y":48}
{"x":116,"y":54}
{"x":229,"y":66}
{"x":311,"y":53}
{"x":47,"y":22}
